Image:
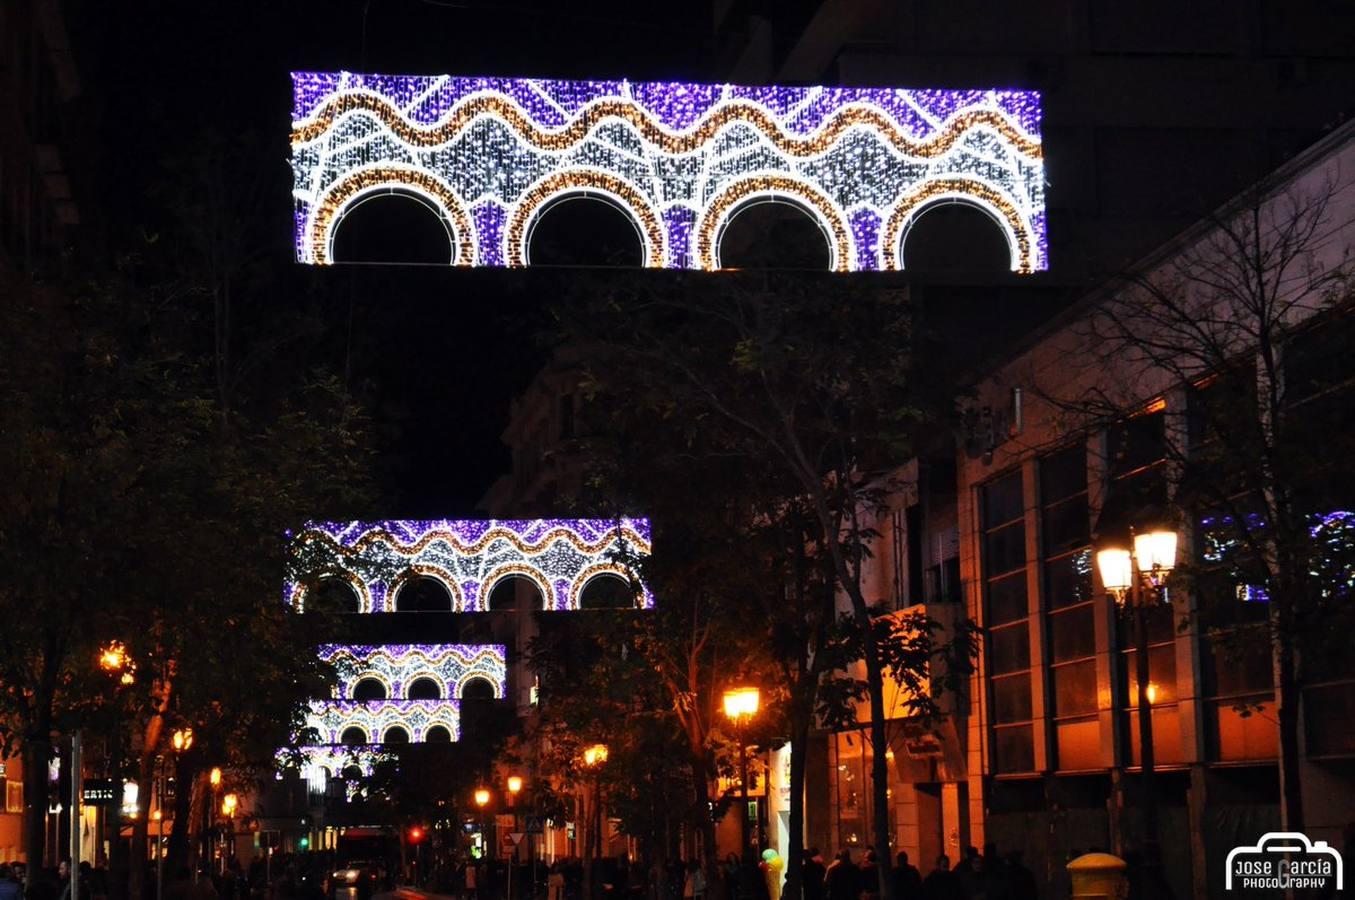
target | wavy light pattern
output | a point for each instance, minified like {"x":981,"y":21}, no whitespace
{"x":397,"y":666}
{"x":331,"y":718}
{"x":469,"y":557}
{"x":680,"y":159}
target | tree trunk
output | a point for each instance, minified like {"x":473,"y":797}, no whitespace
{"x":799,"y":750}
{"x":150,"y":742}
{"x":710,"y":860}
{"x":184,"y":782}
{"x":37,"y":754}
{"x":1287,"y":694}
{"x":879,"y":769}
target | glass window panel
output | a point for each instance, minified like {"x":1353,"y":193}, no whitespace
{"x":1063,"y":474}
{"x":1079,"y":744}
{"x":1161,"y":675}
{"x":1007,"y":599}
{"x":1002,"y":500}
{"x":1014,"y":749}
{"x":1010,"y":648}
{"x":1011,"y":698}
{"x":1330,"y":718}
{"x":1066,"y":526}
{"x":1075,"y":688}
{"x":1238,"y":663}
{"x":1072,"y":633}
{"x":1005,"y":549}
{"x":1068,"y":579}
{"x":1136,"y":443}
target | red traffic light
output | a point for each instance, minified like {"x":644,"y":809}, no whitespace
{"x":415,"y":834}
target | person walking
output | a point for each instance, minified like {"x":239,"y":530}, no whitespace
{"x":941,"y":883}
{"x":812,"y":874}
{"x":694,"y":885}
{"x":555,"y":882}
{"x":10,"y":888}
{"x":842,"y":881}
{"x":907,"y":879}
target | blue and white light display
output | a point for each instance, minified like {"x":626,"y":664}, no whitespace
{"x":469,"y":557}
{"x":490,"y":155}
{"x":397,"y":666}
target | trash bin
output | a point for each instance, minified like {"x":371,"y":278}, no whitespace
{"x":1098,"y":876}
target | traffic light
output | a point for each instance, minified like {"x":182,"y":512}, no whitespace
{"x":415,"y":834}
{"x":304,"y":843}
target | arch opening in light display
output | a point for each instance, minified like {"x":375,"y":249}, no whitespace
{"x":489,"y":154}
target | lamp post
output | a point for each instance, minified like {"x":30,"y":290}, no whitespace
{"x":181,"y":740}
{"x":741,"y":704}
{"x":593,"y":758}
{"x":115,"y":660}
{"x":214,"y":782}
{"x":1136,"y":580}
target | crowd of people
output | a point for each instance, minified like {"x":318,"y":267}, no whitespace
{"x":977,"y":876}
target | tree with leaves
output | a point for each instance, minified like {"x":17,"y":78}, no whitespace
{"x":809,"y":386}
{"x":1245,"y":325}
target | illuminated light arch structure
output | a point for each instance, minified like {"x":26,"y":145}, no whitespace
{"x":330,"y":718}
{"x":489,"y":154}
{"x":558,"y":555}
{"x":397,"y":666}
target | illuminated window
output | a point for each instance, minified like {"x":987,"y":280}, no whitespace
{"x":1004,"y":569}
{"x":1070,"y":622}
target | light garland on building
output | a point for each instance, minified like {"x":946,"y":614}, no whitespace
{"x":397,"y":666}
{"x":679,"y":159}
{"x":470,"y":557}
{"x":331,"y":718}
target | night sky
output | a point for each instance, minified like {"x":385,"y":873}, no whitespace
{"x":438,"y":351}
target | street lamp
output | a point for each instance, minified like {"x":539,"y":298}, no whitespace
{"x":482,"y":798}
{"x":593,"y":758}
{"x":1136,"y":581}
{"x":515,"y":784}
{"x":741,"y":704}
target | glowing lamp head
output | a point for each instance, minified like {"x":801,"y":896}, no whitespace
{"x":482,"y":797}
{"x":1155,"y":553}
{"x":113,"y":657}
{"x":514,"y":784}
{"x":182,"y":739}
{"x":741,"y":703}
{"x":215,"y":776}
{"x":1117,"y":570}
{"x":228,"y":804}
{"x":415,"y":834}
{"x":595,"y":755}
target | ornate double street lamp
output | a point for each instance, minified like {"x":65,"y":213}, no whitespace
{"x":741,"y":704}
{"x":1136,"y":579}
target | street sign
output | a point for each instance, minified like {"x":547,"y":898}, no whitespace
{"x":535,"y":824}
{"x":98,"y":792}
{"x":516,"y":837}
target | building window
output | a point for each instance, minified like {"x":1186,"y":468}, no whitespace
{"x":14,"y":796}
{"x":1071,"y":619}
{"x":1004,"y":569}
